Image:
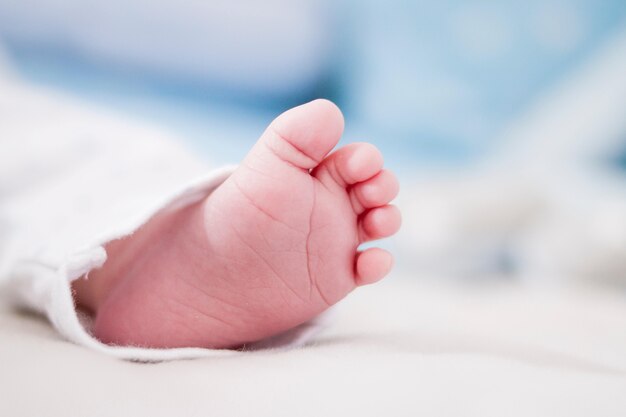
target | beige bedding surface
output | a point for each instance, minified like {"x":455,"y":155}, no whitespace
{"x":398,"y":348}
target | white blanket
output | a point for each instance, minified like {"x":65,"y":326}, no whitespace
{"x":396,"y":349}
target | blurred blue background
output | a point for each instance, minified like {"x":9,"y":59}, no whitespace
{"x":428,"y":82}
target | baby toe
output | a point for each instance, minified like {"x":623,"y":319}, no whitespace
{"x":300,"y":137}
{"x":379,"y":223}
{"x":361,"y":164}
{"x":349,"y":165}
{"x":372,"y":265}
{"x":375,"y":192}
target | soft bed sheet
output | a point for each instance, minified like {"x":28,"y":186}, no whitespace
{"x":399,"y":348}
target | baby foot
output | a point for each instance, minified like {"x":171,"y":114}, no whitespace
{"x":275,"y":245}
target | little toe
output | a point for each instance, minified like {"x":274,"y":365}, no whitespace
{"x":372,"y":265}
{"x":379,"y":222}
{"x":301,"y":136}
{"x":375,"y":192}
{"x":349,"y":165}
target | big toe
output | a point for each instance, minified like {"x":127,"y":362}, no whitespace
{"x":301,"y":136}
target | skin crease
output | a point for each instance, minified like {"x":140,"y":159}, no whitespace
{"x":272,"y":247}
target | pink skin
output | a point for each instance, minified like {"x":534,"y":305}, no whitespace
{"x":275,"y":245}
